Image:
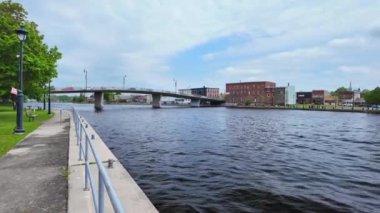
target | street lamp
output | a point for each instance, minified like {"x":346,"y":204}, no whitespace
{"x":21,"y":34}
{"x":175,"y":86}
{"x":85,"y":77}
{"x":124,"y":81}
{"x":44,"y":96}
{"x":49,"y":100}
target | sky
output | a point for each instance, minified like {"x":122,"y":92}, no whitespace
{"x":316,"y":44}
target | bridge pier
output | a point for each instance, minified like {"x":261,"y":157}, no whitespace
{"x":195,"y":102}
{"x":156,"y":103}
{"x":98,"y":101}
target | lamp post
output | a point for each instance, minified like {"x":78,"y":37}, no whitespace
{"x":44,"y":96}
{"x":49,"y":101}
{"x":85,"y":77}
{"x":124,"y":81}
{"x":21,"y":34}
{"x":175,"y":86}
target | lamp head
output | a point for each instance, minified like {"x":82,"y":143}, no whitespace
{"x":21,"y":33}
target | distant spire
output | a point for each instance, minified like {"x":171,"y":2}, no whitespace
{"x":350,"y":88}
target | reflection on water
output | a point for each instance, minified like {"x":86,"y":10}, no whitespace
{"x":232,"y":160}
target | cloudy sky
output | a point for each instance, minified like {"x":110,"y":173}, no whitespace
{"x":320,"y":44}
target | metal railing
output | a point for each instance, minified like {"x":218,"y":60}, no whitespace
{"x":85,"y":143}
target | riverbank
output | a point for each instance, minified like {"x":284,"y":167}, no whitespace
{"x":320,"y":108}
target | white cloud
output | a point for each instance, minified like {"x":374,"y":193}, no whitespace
{"x":243,"y":72}
{"x":314,"y":52}
{"x":358,"y":70}
{"x":139,"y":38}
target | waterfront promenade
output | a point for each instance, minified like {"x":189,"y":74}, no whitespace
{"x":33,"y":175}
{"x":43,"y":174}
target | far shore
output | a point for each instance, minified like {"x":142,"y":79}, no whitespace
{"x":320,"y":108}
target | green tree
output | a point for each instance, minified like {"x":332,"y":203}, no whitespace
{"x":373,"y":97}
{"x":364,"y":92}
{"x":339,"y":91}
{"x":109,"y":96}
{"x":40,"y":61}
{"x":79,"y":99}
{"x":63,"y":98}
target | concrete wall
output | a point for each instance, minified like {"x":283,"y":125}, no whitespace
{"x":131,"y":196}
{"x":99,"y":97}
{"x":195,"y":103}
{"x":156,"y":102}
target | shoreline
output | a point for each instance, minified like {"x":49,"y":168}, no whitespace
{"x":364,"y":110}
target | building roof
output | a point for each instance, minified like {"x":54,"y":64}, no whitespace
{"x":205,"y":88}
{"x":252,"y":82}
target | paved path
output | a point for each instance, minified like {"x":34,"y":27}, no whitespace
{"x":33,"y":175}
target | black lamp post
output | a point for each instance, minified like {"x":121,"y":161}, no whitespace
{"x":44,"y":96}
{"x":49,"y":101}
{"x":21,"y":34}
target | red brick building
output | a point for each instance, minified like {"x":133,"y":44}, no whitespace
{"x":256,"y":93}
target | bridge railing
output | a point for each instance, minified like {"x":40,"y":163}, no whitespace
{"x":86,"y":147}
{"x":70,"y":89}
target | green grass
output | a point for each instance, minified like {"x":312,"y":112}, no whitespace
{"x":8,"y":123}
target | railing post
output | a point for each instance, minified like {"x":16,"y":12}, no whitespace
{"x":80,"y":142}
{"x":76,"y":119}
{"x":101,"y":194}
{"x":77,"y":125}
{"x":87,"y":165}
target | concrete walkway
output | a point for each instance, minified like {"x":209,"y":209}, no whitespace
{"x":33,"y":175}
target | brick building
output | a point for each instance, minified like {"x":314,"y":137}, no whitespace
{"x":257,"y":93}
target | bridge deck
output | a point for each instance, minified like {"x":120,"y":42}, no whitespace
{"x":140,"y":91}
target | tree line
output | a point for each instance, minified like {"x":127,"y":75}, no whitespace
{"x":370,"y":96}
{"x":40,"y":60}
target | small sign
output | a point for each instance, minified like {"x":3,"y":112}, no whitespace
{"x":14,"y":91}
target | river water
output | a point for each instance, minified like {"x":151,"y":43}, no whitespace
{"x":242,"y":160}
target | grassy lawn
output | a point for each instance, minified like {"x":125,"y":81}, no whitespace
{"x":8,"y":123}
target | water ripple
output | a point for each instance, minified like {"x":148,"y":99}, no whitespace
{"x":224,"y":160}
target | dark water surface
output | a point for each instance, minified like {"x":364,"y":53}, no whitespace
{"x":238,"y":160}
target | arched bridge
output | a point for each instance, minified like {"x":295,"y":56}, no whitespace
{"x":156,"y":95}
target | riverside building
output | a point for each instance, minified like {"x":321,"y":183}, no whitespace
{"x":258,"y":93}
{"x":304,"y":98}
{"x":283,"y":96}
{"x":321,"y":97}
{"x":203,"y":91}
